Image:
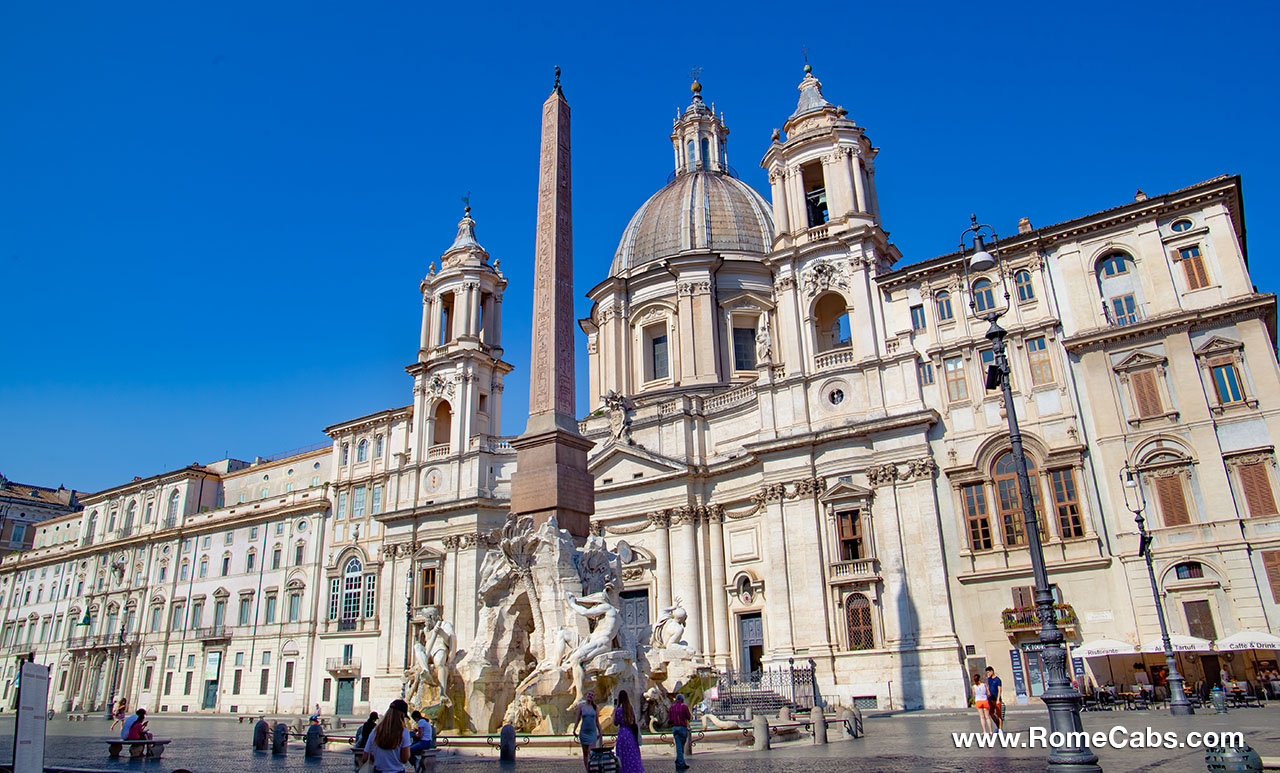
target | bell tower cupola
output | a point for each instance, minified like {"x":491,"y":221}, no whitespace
{"x":699,"y":136}
{"x":822,"y":171}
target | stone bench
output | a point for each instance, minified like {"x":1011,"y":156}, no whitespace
{"x":146,"y":748}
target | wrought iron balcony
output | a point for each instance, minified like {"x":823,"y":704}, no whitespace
{"x":211,"y":632}
{"x":1025,"y":619}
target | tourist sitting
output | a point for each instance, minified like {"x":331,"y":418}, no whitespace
{"x":424,"y":735}
{"x":135,"y":727}
{"x":362,"y":733}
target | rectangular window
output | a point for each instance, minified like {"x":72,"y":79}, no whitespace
{"x":271,"y":609}
{"x":275,"y":558}
{"x":342,"y":505}
{"x":250,"y":560}
{"x":186,"y":687}
{"x":1271,"y":564}
{"x":1226,"y":383}
{"x":295,"y":607}
{"x":266,"y":658}
{"x":744,"y":348}
{"x":957,"y":390}
{"x":658,"y":356}
{"x":298,"y":554}
{"x":197,"y":612}
{"x":326,"y":689}
{"x":1024,"y":596}
{"x":226,"y":565}
{"x":191,"y":661}
{"x":146,"y":677}
{"x":266,"y":681}
{"x":370,"y":596}
{"x":943,"y":303}
{"x":1193,"y":267}
{"x":168,"y":683}
{"x":975,"y":508}
{"x":239,"y":658}
{"x":1173,"y":502}
{"x":1257,"y":489}
{"x":364,"y":688}
{"x":1146,"y":396}
{"x":1200,"y":620}
{"x":246,"y":611}
{"x":917,"y":318}
{"x":253,"y":533}
{"x":926,"y":373}
{"x":1124,"y":310}
{"x":175,"y":619}
{"x":231,"y":537}
{"x":1067,"y":503}
{"x":156,"y":614}
{"x":1038,"y":358}
{"x":357,"y":502}
{"x":849,"y":534}
{"x":288,"y":674}
{"x":173,"y":661}
{"x":335,"y":597}
{"x":235,"y":682}
{"x":427,"y":591}
{"x":376,"y":507}
{"x":204,"y":543}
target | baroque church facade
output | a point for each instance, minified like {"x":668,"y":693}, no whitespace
{"x":790,"y":430}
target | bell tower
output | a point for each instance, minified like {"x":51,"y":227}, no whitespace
{"x":457,"y":379}
{"x":822,"y":171}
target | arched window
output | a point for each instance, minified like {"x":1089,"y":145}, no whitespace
{"x":1115,"y":264}
{"x":443,"y":424}
{"x":689,"y":160}
{"x":1022,"y":282}
{"x":1119,"y":288}
{"x":129,"y":514}
{"x":352,"y":584}
{"x":831,"y":322}
{"x":377,"y":447}
{"x":172,"y":514}
{"x":1189,"y":570}
{"x":705,"y":160}
{"x":1009,"y":502}
{"x":984,"y":299}
{"x":362,"y":451}
{"x":942,"y":301}
{"x":857,"y":614}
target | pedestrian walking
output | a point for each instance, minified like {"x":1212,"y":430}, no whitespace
{"x":678,"y":717}
{"x":119,"y":714}
{"x":587,"y":727}
{"x":627,"y":746}
{"x":995,"y":699}
{"x":388,"y":747}
{"x":982,"y":704}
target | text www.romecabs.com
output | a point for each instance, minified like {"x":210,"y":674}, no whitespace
{"x":1118,"y":737}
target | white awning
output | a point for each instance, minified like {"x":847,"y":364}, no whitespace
{"x":1248,"y":640}
{"x":1180,"y":643}
{"x":1099,"y":648}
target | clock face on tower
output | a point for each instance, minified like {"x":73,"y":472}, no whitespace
{"x":433,"y":480}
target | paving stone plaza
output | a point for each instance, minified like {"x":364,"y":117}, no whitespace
{"x":904,"y":742}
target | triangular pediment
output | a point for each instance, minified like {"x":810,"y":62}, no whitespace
{"x":844,"y":491}
{"x":1218,"y":345}
{"x":746,"y":300}
{"x":625,"y":462}
{"x":1139,"y":360}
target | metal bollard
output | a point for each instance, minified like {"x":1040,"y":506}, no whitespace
{"x":279,"y":738}
{"x":1219,"y":759}
{"x":507,"y":744}
{"x":1219,"y":699}
{"x":819,"y":721}
{"x":261,"y":735}
{"x":760,"y":729}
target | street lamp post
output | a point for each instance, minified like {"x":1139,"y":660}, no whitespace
{"x":115,"y":668}
{"x":1136,"y":501}
{"x":408,"y":626}
{"x":1063,"y":699}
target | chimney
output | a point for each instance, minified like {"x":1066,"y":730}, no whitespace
{"x":1024,"y":225}
{"x":1139,"y":196}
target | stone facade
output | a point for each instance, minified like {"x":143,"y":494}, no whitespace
{"x":790,"y":431}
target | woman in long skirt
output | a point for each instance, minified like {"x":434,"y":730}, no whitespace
{"x":628,"y":745}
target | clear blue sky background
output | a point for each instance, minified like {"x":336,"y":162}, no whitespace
{"x":213,"y":219}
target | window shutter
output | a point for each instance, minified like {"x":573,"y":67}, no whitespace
{"x":1023,"y":596}
{"x":1145,"y":393}
{"x":1271,"y":563}
{"x":1257,"y":489}
{"x":1173,"y":505}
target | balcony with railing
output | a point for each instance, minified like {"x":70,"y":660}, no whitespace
{"x":211,"y":633}
{"x":854,"y":570}
{"x":350,"y":625}
{"x":835,"y":358}
{"x":342,"y":667}
{"x":1025,"y":618}
{"x":438,"y":451}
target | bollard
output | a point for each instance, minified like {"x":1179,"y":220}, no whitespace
{"x":749,"y":714}
{"x":261,"y":735}
{"x":315,"y":741}
{"x":507,"y":744}
{"x":1219,"y":699}
{"x":760,"y":729}
{"x":852,"y":721}
{"x":819,"y":721}
{"x":1232,"y":758}
{"x":279,"y":737}
{"x":784,"y":714}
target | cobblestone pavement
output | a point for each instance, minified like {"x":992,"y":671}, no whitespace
{"x":915,"y":742}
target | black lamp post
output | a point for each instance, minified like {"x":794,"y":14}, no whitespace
{"x":115,"y":667}
{"x":408,"y":626}
{"x":1060,"y":696}
{"x":1136,"y":501}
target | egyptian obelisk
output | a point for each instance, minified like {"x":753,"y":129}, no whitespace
{"x":551,"y":477}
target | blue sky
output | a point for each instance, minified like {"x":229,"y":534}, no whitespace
{"x":213,"y":219}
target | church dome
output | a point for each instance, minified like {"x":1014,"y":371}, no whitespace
{"x":698,"y":210}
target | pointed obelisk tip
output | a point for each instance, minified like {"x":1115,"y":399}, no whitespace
{"x":556,"y":88}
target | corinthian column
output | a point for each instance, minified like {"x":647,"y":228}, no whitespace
{"x":662,"y":552}
{"x":719,"y":601}
{"x":688,"y":586}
